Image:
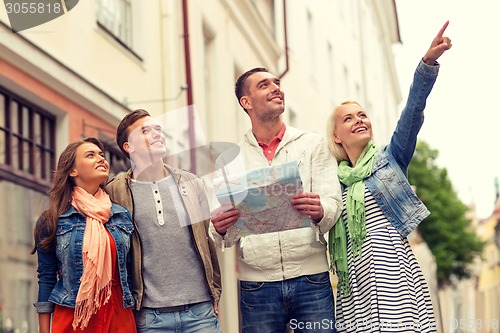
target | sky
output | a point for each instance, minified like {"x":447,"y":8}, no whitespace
{"x":462,"y":113}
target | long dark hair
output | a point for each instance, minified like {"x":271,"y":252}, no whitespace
{"x":60,"y":195}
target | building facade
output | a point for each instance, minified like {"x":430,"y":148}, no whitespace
{"x":488,"y":281}
{"x":80,"y":73}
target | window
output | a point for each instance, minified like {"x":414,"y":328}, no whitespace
{"x":210,"y":76}
{"x":27,"y":141}
{"x":21,"y":314}
{"x":292,"y":117}
{"x":115,"y":16}
{"x":312,"y":49}
{"x":266,"y":11}
{"x":347,"y":82}
{"x":497,"y":235}
{"x":491,"y":257}
{"x":331,"y":73}
{"x":117,"y":161}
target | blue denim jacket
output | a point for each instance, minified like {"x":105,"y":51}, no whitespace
{"x":60,"y":269}
{"x":389,"y":180}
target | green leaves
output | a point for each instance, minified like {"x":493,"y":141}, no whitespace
{"x":447,"y":230}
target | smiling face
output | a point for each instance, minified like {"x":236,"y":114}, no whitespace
{"x":263,"y":98}
{"x":353,"y":129}
{"x":146,"y":141}
{"x":90,"y":168}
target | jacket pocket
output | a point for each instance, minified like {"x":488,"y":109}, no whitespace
{"x":63,"y":238}
{"x":126,"y":230}
{"x":261,"y":251}
{"x":65,"y":248}
{"x":300,"y":244}
{"x":383,"y":170}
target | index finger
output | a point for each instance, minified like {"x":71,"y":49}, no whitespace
{"x":306,"y":195}
{"x":221,"y":209}
{"x":441,"y":32}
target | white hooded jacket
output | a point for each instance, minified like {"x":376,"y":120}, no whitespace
{"x":288,"y":254}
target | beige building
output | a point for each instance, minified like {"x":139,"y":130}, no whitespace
{"x":324,"y":51}
{"x":59,"y":82}
{"x":458,"y":304}
{"x":459,"y":300}
{"x":472,"y":305}
{"x":488,"y":285}
{"x":80,"y":73}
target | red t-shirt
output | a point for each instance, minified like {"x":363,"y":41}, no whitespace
{"x":270,"y":149}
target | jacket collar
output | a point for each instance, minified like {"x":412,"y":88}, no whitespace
{"x":115,"y":209}
{"x":291,"y":134}
{"x":176,"y":174}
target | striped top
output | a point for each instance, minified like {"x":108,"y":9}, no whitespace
{"x":388,"y":289}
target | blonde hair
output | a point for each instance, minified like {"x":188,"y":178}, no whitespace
{"x":337,"y":149}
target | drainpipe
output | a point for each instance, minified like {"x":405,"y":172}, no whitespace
{"x":187,"y":61}
{"x":285,"y":31}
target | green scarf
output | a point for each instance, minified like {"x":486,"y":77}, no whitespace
{"x":356,"y":221}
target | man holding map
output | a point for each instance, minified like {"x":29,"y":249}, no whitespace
{"x":284,"y":277}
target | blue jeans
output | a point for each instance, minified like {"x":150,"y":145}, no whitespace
{"x":305,"y":303}
{"x":197,"y":318}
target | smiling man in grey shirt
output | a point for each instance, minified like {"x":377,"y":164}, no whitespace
{"x":176,"y":276}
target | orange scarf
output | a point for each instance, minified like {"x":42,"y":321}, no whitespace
{"x":95,"y":283}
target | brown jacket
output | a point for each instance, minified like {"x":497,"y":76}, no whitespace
{"x":193,"y":195}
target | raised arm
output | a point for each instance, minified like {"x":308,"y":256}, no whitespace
{"x":439,"y":45}
{"x":404,"y":138}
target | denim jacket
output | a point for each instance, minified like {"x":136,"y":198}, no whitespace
{"x":60,"y":269}
{"x":389,"y":180}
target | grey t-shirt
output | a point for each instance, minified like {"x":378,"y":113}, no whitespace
{"x":172,"y":269}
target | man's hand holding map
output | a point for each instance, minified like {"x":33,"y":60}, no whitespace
{"x":263,"y":197}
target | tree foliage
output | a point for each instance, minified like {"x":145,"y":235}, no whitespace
{"x":447,"y":230}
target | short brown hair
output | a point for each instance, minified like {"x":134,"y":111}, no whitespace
{"x":122,"y":132}
{"x":240,"y":87}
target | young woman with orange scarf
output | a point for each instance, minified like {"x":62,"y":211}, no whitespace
{"x":82,"y":242}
